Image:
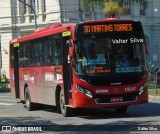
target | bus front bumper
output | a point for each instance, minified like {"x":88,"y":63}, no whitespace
{"x":109,"y":101}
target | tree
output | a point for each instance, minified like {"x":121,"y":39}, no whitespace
{"x":113,"y":7}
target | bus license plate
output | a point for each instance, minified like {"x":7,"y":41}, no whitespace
{"x":117,"y":99}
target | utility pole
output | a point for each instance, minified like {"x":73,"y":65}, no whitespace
{"x":0,"y":57}
{"x":35,"y":18}
{"x":80,"y":10}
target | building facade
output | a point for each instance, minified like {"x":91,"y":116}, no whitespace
{"x":22,"y":17}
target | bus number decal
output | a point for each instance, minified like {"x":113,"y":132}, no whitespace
{"x":28,"y":78}
{"x":16,"y":45}
{"x":49,"y":77}
{"x":67,"y":33}
{"x":59,"y":76}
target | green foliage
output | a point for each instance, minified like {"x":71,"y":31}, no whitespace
{"x":4,"y":86}
{"x":92,"y":3}
{"x":113,"y":7}
{"x":153,"y":92}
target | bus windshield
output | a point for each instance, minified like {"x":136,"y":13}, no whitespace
{"x":104,"y":55}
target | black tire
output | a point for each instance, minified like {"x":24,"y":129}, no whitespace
{"x":58,"y":102}
{"x":66,"y":111}
{"x":28,"y":104}
{"x":121,"y":110}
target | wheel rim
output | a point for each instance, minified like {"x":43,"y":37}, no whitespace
{"x":27,"y":100}
{"x":62,"y":106}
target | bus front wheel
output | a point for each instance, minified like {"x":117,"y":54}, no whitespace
{"x":28,"y":103}
{"x":66,"y":111}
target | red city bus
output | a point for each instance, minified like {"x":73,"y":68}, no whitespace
{"x":94,"y":64}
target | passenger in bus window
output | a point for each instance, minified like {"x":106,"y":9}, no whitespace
{"x":122,"y":60}
{"x":41,"y":61}
{"x":136,"y":62}
{"x":79,"y":57}
{"x":126,"y":61}
{"x":91,"y":57}
{"x":91,"y":51}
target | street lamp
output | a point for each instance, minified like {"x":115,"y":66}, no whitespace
{"x":35,"y":18}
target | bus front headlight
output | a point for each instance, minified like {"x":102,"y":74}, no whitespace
{"x":84,"y":91}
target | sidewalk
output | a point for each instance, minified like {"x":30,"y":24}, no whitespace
{"x":154,"y":98}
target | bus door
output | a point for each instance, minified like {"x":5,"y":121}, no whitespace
{"x":16,"y":70}
{"x":67,"y":70}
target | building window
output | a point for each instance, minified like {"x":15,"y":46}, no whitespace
{"x":142,"y":10}
{"x":44,"y":6}
{"x":33,"y":5}
{"x":87,"y":13}
{"x":44,"y":9}
{"x":25,"y":8}
{"x":128,"y":7}
{"x":37,"y":6}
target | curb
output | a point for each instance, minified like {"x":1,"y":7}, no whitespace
{"x":155,"y":98}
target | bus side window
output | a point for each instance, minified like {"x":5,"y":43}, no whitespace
{"x":25,"y":56}
{"x":58,"y":51}
{"x":41,"y":61}
{"x":52,"y":49}
{"x":55,"y":48}
{"x":23,"y":60}
{"x":46,"y":46}
{"x":38,"y":55}
{"x":12,"y":56}
{"x":30,"y":54}
{"x":35,"y":55}
{"x":20,"y":56}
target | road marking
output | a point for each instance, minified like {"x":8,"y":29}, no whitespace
{"x":7,"y":100}
{"x":5,"y":96}
{"x":6,"y":104}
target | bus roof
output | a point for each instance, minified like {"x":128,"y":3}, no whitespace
{"x":42,"y":32}
{"x":58,"y":28}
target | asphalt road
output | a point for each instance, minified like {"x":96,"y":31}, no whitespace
{"x":145,"y":116}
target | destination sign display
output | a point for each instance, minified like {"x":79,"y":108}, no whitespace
{"x":96,"y":28}
{"x":107,"y":28}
